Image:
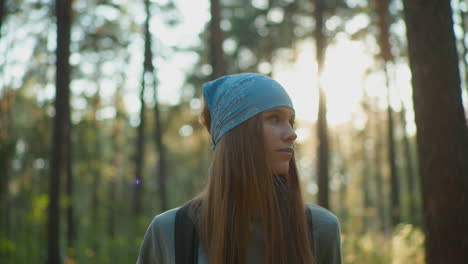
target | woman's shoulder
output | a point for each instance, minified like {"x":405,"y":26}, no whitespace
{"x":164,"y":220}
{"x":322,"y":216}
{"x":324,"y":223}
{"x":158,"y":242}
{"x":327,"y":237}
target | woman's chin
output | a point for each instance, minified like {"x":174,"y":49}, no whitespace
{"x":281,"y":170}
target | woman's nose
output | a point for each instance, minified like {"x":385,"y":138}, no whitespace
{"x":290,"y":135}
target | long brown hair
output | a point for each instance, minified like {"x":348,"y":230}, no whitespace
{"x":242,"y":188}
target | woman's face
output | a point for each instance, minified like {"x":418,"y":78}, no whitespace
{"x":279,"y":137}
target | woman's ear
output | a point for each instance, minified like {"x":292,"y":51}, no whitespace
{"x":205,"y":117}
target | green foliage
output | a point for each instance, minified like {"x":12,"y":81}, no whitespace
{"x":7,"y":247}
{"x":406,"y":245}
{"x":39,"y":206}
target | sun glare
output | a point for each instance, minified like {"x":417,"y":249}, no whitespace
{"x":345,"y":66}
{"x":344,"y":71}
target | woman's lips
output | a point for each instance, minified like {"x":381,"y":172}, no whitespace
{"x":288,"y":151}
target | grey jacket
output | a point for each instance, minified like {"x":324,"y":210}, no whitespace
{"x":158,"y":243}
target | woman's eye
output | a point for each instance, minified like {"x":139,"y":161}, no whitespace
{"x":274,"y":118}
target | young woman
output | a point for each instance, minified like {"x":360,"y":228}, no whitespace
{"x":252,"y":209}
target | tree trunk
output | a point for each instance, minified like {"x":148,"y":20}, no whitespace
{"x":111,"y":221}
{"x":7,"y":152}
{"x":323,"y":152}
{"x":2,"y":15}
{"x":366,"y":173}
{"x":386,"y":56}
{"x":61,"y":131}
{"x":117,"y":157}
{"x":71,"y":228}
{"x":96,"y":169}
{"x":161,"y":163}
{"x":379,"y":176}
{"x":216,"y":41}
{"x":139,"y":155}
{"x":394,"y":182}
{"x":343,"y":194}
{"x":7,"y":144}
{"x":464,"y":50}
{"x":442,"y":133}
{"x":412,"y":191}
{"x":341,"y":208}
{"x":149,"y":68}
{"x":162,"y":153}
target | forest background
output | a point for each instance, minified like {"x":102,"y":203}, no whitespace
{"x":99,"y":131}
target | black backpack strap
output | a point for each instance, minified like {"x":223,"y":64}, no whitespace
{"x":311,"y":230}
{"x":186,"y":239}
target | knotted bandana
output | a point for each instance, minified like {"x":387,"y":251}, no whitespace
{"x":233,"y":99}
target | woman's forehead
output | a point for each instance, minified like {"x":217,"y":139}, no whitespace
{"x":282,"y":110}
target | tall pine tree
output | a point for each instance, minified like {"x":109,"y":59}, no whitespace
{"x":60,"y":163}
{"x":442,"y":133}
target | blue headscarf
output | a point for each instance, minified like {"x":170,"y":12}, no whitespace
{"x":233,"y":99}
